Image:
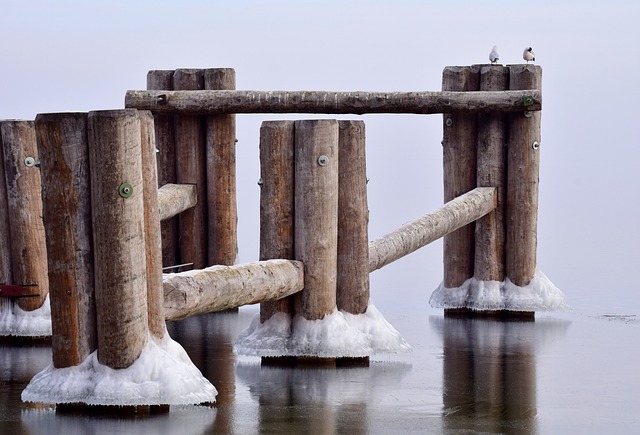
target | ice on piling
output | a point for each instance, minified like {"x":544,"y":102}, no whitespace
{"x":539,"y":295}
{"x":339,"y":334}
{"x":162,"y":375}
{"x":14,"y":321}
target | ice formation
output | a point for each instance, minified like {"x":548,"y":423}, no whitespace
{"x":539,"y":295}
{"x":339,"y":334}
{"x":163,"y":374}
{"x":17,"y":322}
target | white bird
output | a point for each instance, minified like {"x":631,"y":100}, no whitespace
{"x":494,"y":56}
{"x":528,"y":54}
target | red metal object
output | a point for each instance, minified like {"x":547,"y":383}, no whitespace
{"x":18,"y":291}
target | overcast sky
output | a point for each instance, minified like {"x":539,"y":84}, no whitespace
{"x":83,"y":55}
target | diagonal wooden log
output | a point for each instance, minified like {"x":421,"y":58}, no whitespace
{"x":218,"y":102}
{"x":420,"y":232}
{"x":173,"y":199}
{"x":219,"y":288}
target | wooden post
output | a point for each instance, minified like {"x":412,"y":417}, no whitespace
{"x":165,"y":143}
{"x":352,"y":294}
{"x":221,"y":174}
{"x":491,"y":172}
{"x":118,"y":234}
{"x":459,"y":170}
{"x":191,"y":169}
{"x":66,"y":200}
{"x":173,"y":199}
{"x":276,"y":201}
{"x":24,"y":200}
{"x":316,"y":214}
{"x":523,"y":163}
{"x":153,"y":239}
{"x":5,"y":245}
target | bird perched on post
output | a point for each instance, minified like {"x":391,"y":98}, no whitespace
{"x":494,"y":56}
{"x":528,"y":54}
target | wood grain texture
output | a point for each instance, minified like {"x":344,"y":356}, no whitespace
{"x":455,"y":214}
{"x":191,"y":169}
{"x":459,"y":171}
{"x":153,"y":239}
{"x":316,"y":215}
{"x":119,"y":236}
{"x":523,"y":166}
{"x":173,"y":199}
{"x":215,"y":102}
{"x":220,"y":288}
{"x":352,"y":289}
{"x":66,"y":198}
{"x":221,"y":174}
{"x":5,"y":231}
{"x":24,"y":204}
{"x":491,"y":172}
{"x":165,"y":143}
{"x":276,"y":201}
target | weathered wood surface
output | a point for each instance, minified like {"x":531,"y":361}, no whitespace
{"x":491,"y":172}
{"x":66,"y":198}
{"x":352,"y":288}
{"x":165,"y":143}
{"x":316,"y":215}
{"x":219,"y":288}
{"x":5,"y":240}
{"x":523,"y":165}
{"x":459,"y":173}
{"x":453,"y":215}
{"x":221,"y":174}
{"x":214,"y":102}
{"x":24,"y":204}
{"x":118,"y":234}
{"x":152,"y":237}
{"x":191,"y":169}
{"x":173,"y":199}
{"x":276,"y":201}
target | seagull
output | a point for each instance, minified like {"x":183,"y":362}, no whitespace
{"x":494,"y":56}
{"x":528,"y":54}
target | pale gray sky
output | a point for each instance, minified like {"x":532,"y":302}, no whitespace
{"x":83,"y":55}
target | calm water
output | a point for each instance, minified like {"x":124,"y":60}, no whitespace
{"x":563,"y":373}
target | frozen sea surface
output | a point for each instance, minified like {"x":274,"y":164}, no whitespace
{"x":562,"y":373}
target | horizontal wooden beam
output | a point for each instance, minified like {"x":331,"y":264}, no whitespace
{"x":220,"y":288}
{"x":420,"y":232}
{"x":173,"y":199}
{"x":218,"y":102}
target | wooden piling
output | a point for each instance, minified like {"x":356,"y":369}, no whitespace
{"x":277,"y":149}
{"x":459,"y":171}
{"x":316,"y":210}
{"x":24,"y":205}
{"x":523,"y":164}
{"x":5,"y":245}
{"x":352,"y":292}
{"x":491,"y":172}
{"x":164,"y":133}
{"x":191,"y":169}
{"x":153,"y":239}
{"x":118,"y":234}
{"x":66,"y":200}
{"x":221,"y":174}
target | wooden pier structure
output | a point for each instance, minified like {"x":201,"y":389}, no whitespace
{"x":128,"y":192}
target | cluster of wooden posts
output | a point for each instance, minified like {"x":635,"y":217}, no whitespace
{"x":102,"y":208}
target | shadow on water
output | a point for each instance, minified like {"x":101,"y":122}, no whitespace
{"x":489,"y":372}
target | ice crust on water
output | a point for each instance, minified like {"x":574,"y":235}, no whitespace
{"x":162,"y":375}
{"x":17,"y":322}
{"x":339,"y":334}
{"x":539,"y":295}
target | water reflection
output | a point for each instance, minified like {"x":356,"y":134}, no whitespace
{"x":319,"y":400}
{"x":489,"y":372}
